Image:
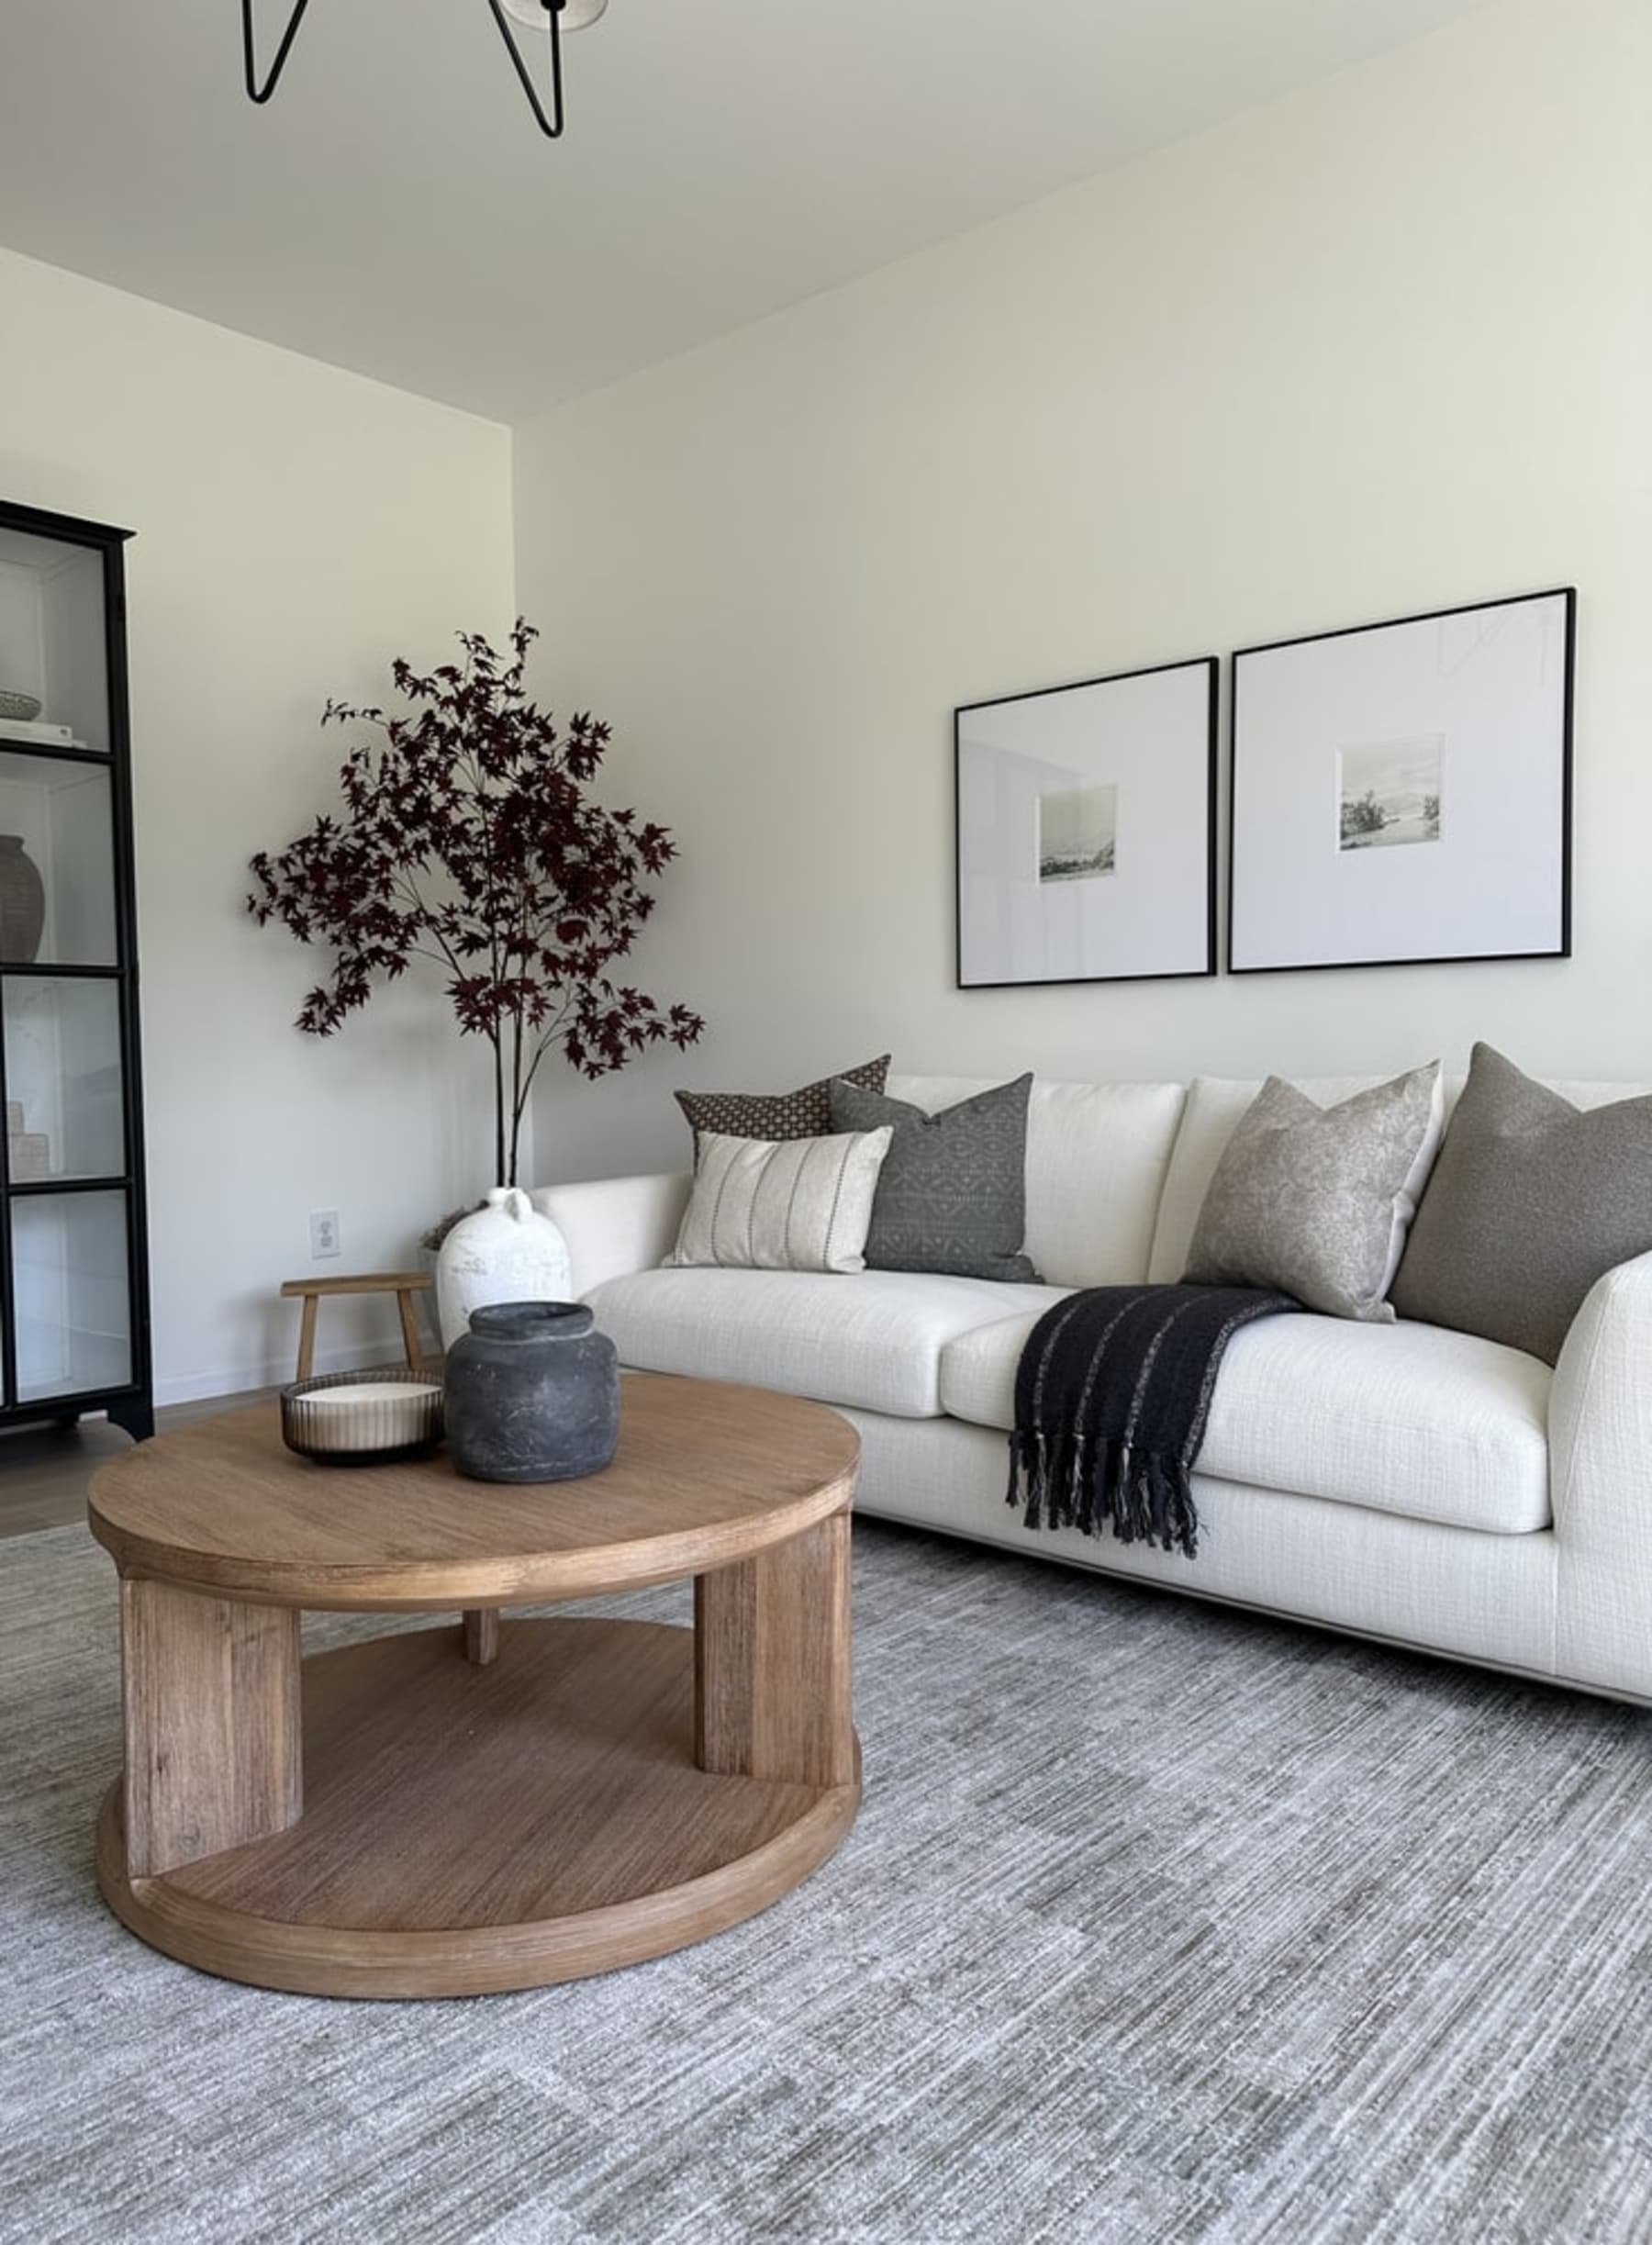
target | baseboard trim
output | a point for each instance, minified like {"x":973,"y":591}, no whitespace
{"x":273,"y":1372}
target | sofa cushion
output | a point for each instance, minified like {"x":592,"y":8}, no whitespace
{"x":1402,"y":1418}
{"x":1215,"y":1106}
{"x":951,"y":1194}
{"x":803,"y":1113}
{"x":782,"y":1203}
{"x":1316,"y":1201}
{"x":1095,"y":1161}
{"x":1532,"y":1201}
{"x":872,"y":1342}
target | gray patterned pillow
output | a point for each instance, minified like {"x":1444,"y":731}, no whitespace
{"x":1316,"y":1201}
{"x":952,"y":1194}
{"x":1531,"y":1202}
{"x":803,"y":1113}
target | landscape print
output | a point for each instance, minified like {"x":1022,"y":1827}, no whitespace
{"x":1388,"y":793}
{"x":1078,"y":833}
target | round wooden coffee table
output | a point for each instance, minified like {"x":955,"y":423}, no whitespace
{"x":452,"y":1811}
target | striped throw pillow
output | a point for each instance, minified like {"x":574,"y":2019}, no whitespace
{"x":781,"y":1204}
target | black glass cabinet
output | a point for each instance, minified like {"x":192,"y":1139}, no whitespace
{"x":74,"y":1327}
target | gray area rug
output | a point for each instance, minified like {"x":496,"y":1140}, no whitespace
{"x":1158,"y":1924}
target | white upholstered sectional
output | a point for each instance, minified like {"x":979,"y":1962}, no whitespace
{"x":1401,"y":1481}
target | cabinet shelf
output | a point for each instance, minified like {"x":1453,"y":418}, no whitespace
{"x":41,"y":753}
{"x":35,"y":1187}
{"x":56,"y":970}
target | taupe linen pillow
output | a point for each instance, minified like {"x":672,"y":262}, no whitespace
{"x":803,"y":1113}
{"x":781,"y":1204}
{"x":1531,"y":1202}
{"x":1316,"y":1201}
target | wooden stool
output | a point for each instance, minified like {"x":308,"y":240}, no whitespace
{"x":403,"y":1284}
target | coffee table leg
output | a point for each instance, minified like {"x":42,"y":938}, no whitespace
{"x":214,"y":1725}
{"x":773,"y":1695}
{"x":480,"y":1635}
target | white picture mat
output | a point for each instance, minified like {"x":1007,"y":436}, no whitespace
{"x":1492,"y":682}
{"x":1149,"y":736}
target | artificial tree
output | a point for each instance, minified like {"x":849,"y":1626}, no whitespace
{"x":469,"y":837}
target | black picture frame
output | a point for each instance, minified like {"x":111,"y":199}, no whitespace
{"x":1200,"y":754}
{"x":1296,"y":884}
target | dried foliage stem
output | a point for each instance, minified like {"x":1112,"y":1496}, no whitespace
{"x":469,"y":838}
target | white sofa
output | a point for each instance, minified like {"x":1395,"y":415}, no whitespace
{"x":1406,"y":1483}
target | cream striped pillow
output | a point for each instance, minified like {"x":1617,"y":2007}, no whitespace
{"x":781,"y":1204}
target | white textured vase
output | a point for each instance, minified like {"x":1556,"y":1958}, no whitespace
{"x":506,"y":1252}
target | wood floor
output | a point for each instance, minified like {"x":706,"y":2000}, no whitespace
{"x":45,"y":1470}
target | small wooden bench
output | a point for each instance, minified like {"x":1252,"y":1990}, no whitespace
{"x":403,"y":1284}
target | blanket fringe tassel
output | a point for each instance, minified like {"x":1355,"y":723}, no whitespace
{"x":1142,"y":1497}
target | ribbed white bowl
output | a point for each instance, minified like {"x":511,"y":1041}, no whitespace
{"x":363,"y":1418}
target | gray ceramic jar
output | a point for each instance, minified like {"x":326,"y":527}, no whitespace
{"x":532,"y":1393}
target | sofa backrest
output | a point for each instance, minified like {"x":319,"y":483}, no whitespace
{"x":1214,"y":1105}
{"x":1116,"y":1173}
{"x":1096,"y":1156}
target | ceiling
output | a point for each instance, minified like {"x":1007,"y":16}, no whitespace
{"x":395,"y":210}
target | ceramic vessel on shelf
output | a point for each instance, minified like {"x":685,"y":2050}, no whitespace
{"x":532,"y":1393}
{"x":23,"y":708}
{"x":22,"y":902}
{"x":506,"y":1252}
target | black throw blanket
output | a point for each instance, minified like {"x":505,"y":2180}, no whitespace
{"x":1110,"y":1402}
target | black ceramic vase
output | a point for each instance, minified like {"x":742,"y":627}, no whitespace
{"x":532,"y":1393}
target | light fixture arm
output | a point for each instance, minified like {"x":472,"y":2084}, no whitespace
{"x":550,"y":122}
{"x":551,"y":125}
{"x":254,"y":91}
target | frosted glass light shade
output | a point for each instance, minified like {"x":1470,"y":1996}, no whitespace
{"x":575,"y":13}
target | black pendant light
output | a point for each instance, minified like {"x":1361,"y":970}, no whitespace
{"x":556,"y":17}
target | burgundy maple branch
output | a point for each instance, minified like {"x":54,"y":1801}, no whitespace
{"x":469,"y":837}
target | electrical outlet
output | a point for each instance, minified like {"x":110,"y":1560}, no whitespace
{"x":324,"y":1234}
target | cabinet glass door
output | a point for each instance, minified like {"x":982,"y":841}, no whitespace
{"x":57,"y":861}
{"x":55,"y":677}
{"x":71,"y":1295}
{"x":64,"y":1112}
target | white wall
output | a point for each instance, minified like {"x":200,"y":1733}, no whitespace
{"x":296,"y":528}
{"x":1381,"y":347}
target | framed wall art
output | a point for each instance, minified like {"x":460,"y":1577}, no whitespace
{"x":1087,"y":830}
{"x":1402,"y":792}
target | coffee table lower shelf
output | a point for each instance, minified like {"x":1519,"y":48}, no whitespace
{"x":468,"y":1829}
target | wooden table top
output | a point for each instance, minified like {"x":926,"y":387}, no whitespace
{"x":706,"y":1475}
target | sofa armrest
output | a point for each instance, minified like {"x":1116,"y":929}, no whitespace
{"x":1600,"y":1483}
{"x":1601,"y":1408}
{"x":617,"y":1224}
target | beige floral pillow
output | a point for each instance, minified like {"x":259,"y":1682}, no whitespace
{"x":1317,"y":1200}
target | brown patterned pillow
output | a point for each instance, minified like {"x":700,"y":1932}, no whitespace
{"x":803,"y":1113}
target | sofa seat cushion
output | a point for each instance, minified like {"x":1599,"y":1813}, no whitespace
{"x":872,"y":1341}
{"x":1402,"y":1418}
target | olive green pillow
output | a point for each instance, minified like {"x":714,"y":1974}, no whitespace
{"x":1531,"y":1202}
